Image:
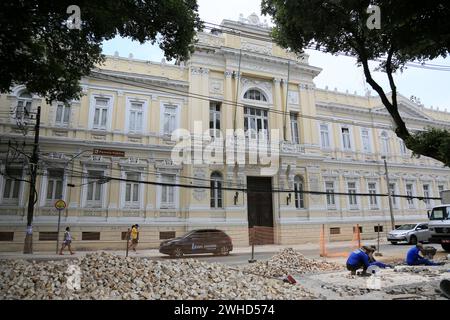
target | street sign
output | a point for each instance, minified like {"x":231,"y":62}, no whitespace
{"x":106,"y":152}
{"x":60,"y":205}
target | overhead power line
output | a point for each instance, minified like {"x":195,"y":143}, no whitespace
{"x":106,"y":178}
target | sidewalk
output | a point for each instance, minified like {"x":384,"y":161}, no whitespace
{"x":154,"y":253}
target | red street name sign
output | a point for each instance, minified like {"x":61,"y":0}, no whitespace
{"x":113,"y":153}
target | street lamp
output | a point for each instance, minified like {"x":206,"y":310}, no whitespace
{"x":389,"y":193}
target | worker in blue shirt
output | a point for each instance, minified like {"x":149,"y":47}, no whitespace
{"x":358,"y":259}
{"x":413,"y":257}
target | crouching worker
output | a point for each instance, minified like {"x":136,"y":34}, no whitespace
{"x":358,"y":259}
{"x":413,"y":257}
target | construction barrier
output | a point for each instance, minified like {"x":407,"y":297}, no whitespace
{"x":259,"y":235}
{"x":355,"y":244}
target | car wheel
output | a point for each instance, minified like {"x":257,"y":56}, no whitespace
{"x":413,"y":240}
{"x":223,"y":251}
{"x":446,"y":246}
{"x":177,"y":253}
{"x":394,"y":242}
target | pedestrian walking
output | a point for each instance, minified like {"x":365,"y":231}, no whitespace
{"x":67,"y":242}
{"x":134,"y":237}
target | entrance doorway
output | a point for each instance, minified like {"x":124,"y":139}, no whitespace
{"x":260,"y":209}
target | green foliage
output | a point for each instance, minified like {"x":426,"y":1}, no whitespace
{"x":432,"y":141}
{"x":416,"y":30}
{"x":410,"y":31}
{"x":38,"y":50}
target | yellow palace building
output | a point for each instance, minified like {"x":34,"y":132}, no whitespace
{"x":329,"y":142}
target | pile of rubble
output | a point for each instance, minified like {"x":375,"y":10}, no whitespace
{"x":106,"y":276}
{"x":288,"y":261}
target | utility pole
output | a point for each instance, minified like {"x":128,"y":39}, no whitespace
{"x":391,"y":210}
{"x":28,"y":245}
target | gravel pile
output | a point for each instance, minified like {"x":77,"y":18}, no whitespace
{"x":106,"y":276}
{"x":288,"y":261}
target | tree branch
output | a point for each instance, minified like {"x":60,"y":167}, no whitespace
{"x":401,"y":130}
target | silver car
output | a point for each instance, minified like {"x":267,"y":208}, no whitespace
{"x":410,"y":233}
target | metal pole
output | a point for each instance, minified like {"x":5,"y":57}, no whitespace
{"x":128,"y":241}
{"x":57,"y":232}
{"x":378,"y":253}
{"x":378,"y":244}
{"x":28,"y":245}
{"x":391,"y":210}
{"x":252,"y":260}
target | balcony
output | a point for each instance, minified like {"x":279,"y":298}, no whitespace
{"x":291,"y":148}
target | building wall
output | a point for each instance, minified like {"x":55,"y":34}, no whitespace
{"x":213,"y":74}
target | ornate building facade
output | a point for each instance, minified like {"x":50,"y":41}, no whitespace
{"x":330,"y":142}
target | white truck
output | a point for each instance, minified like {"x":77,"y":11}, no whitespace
{"x":439,"y":224}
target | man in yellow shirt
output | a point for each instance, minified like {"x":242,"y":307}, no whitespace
{"x":134,"y":237}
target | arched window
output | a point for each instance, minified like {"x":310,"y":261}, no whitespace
{"x":23,"y":107}
{"x":216,"y":190}
{"x":384,"y":142}
{"x":255,"y":94}
{"x":298,"y":190}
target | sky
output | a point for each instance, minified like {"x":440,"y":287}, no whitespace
{"x":432,"y":87}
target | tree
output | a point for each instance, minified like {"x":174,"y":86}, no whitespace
{"x":40,"y":49}
{"x":410,"y":31}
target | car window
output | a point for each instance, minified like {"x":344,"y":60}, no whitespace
{"x":441,"y":213}
{"x":406,"y":227}
{"x":423,"y":226}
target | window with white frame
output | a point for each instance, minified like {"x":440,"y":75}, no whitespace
{"x":294,"y":128}
{"x":256,"y":122}
{"x":55,"y":183}
{"x":298,"y":193}
{"x":101,"y":110}
{"x":409,"y":193}
{"x":426,"y":194}
{"x":365,"y":137}
{"x":384,"y":143}
{"x":216,"y":190}
{"x":329,"y":189}
{"x":352,"y":199}
{"x":62,"y":114}
{"x":325,"y":136}
{"x":94,"y":189}
{"x":136,"y":117}
{"x":11,"y":187}
{"x":403,"y":149}
{"x":346,"y":141}
{"x":132,"y":189}
{"x":168,"y":191}
{"x":255,"y":94}
{"x":23,"y":108}
{"x":169,"y":119}
{"x":392,"y":188}
{"x":441,"y":188}
{"x":372,"y":190}
{"x":214,"y":119}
